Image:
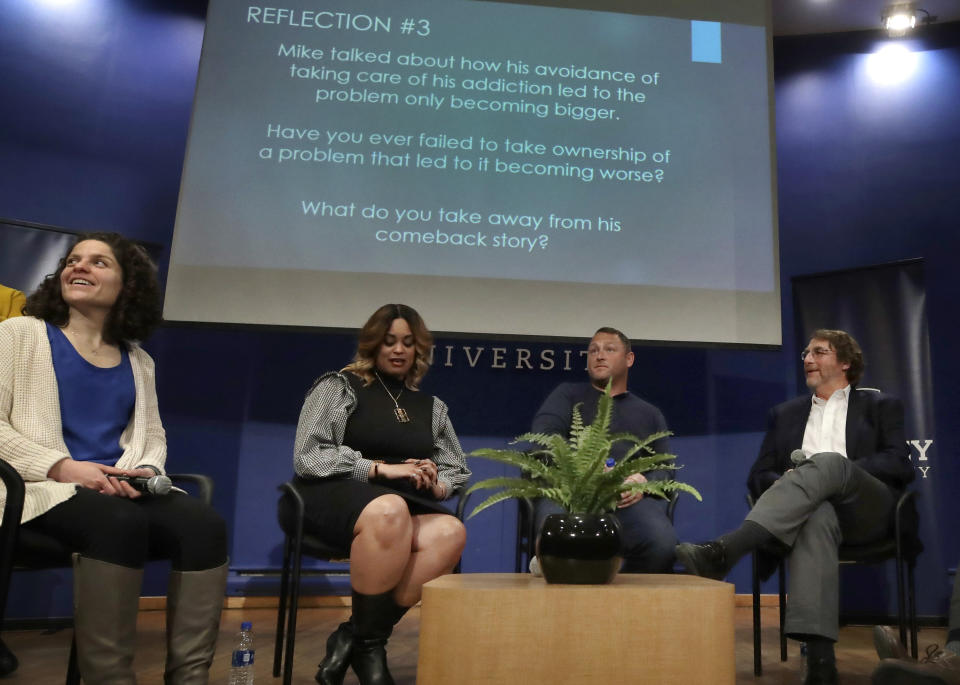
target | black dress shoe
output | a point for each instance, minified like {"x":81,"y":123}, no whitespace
{"x":705,"y":559}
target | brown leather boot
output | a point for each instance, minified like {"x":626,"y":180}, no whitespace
{"x":106,"y":599}
{"x":194,"y":601}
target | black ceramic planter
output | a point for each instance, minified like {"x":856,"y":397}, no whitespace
{"x":579,"y":548}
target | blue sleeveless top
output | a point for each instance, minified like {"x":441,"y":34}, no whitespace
{"x":95,"y":404}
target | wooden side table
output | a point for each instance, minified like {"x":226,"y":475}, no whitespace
{"x":515,"y":628}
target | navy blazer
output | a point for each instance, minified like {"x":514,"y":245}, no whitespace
{"x":875,"y":439}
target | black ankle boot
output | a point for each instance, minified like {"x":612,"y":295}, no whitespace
{"x":334,"y":665}
{"x":373,"y":619}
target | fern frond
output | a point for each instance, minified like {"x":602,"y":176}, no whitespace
{"x":542,"y":439}
{"x":576,"y":425}
{"x":654,"y":462}
{"x":495,"y":498}
{"x":509,"y":482}
{"x":661,"y":488}
{"x":645,"y":445}
{"x":528,"y":463}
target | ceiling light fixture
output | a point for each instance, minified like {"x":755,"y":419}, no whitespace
{"x":900,"y":17}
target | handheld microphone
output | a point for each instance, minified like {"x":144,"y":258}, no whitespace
{"x":154,"y":485}
{"x":797,"y":457}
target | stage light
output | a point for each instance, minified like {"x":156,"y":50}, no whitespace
{"x":900,"y":17}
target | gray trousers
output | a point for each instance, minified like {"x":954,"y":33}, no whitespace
{"x":827,"y":500}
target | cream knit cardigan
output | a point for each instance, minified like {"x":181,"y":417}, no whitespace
{"x":31,"y":435}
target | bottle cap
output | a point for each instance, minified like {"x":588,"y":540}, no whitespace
{"x":246,"y":625}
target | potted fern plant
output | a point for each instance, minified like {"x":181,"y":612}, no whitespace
{"x":576,"y":472}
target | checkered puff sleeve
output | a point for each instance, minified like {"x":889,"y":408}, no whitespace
{"x":319,"y":451}
{"x":452,"y":468}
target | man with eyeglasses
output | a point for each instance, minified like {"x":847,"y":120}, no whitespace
{"x":831,"y":468}
{"x":648,"y":535}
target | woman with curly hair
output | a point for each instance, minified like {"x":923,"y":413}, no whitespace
{"x":78,"y":413}
{"x":374,"y":457}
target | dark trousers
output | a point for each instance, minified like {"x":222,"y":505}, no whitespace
{"x":128,"y":532}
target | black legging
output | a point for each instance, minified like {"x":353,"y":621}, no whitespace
{"x":128,"y":532}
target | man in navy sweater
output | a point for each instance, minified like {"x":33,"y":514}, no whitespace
{"x":648,"y":535}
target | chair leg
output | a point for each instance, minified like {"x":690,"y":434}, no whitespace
{"x":755,"y":583}
{"x":292,"y":615}
{"x":521,"y":540}
{"x":901,"y":602}
{"x":531,"y":533}
{"x":912,"y":602}
{"x":782,"y":587}
{"x":282,"y":608}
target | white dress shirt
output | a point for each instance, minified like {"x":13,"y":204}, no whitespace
{"x":826,"y":429}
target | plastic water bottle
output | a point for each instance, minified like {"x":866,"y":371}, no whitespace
{"x":803,"y":661}
{"x":241,"y":663}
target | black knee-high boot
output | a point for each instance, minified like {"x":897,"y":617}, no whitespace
{"x":334,"y":665}
{"x":373,"y":619}
{"x":396,"y":614}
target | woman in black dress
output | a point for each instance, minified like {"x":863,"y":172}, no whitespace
{"x":374,"y":458}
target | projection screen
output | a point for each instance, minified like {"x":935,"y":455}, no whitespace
{"x":504,"y":167}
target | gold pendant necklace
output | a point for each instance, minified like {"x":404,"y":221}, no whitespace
{"x":398,"y":411}
{"x":91,"y":349}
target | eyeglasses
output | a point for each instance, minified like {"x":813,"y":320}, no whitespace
{"x":817,"y":352}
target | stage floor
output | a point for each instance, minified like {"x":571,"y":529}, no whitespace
{"x":43,"y":657}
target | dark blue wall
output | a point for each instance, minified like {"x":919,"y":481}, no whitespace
{"x":92,"y":135}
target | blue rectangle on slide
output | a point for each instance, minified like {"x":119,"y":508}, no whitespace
{"x":705,"y":41}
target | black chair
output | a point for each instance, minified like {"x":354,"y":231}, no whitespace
{"x":296,"y":543}
{"x":22,"y":549}
{"x":12,"y":509}
{"x":901,"y":547}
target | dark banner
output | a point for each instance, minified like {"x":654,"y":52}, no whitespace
{"x":29,"y":252}
{"x":884,"y":308}
{"x":45,"y":246}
